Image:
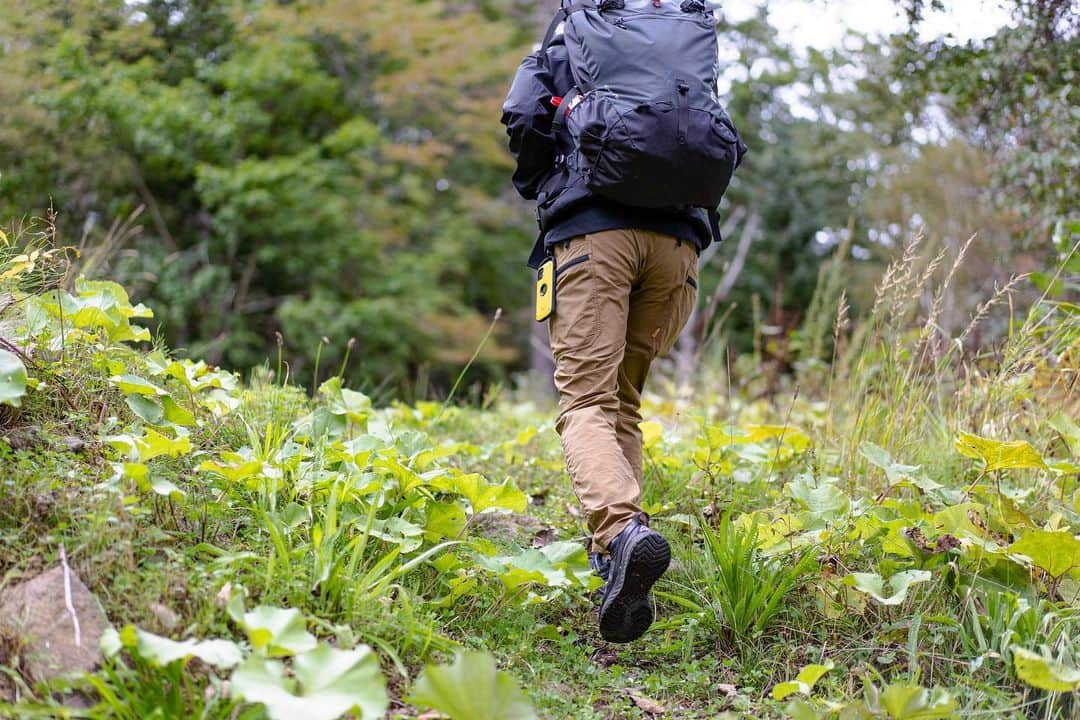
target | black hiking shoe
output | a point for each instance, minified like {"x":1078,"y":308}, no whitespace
{"x":638,"y":557}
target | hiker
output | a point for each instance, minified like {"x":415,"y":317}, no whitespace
{"x":619,"y":137}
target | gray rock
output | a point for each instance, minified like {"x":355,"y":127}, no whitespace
{"x":71,"y":444}
{"x":36,"y":625}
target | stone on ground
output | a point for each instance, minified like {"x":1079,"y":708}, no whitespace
{"x":36,"y":625}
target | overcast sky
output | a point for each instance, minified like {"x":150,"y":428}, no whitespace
{"x":823,"y":24}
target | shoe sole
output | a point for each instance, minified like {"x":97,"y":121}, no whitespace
{"x":627,"y":612}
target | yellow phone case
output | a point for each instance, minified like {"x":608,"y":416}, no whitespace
{"x":545,"y":290}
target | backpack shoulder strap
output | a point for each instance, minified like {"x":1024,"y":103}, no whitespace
{"x":560,"y":17}
{"x":567,"y":9}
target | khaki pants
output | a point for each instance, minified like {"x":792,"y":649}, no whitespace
{"x":621,"y":299}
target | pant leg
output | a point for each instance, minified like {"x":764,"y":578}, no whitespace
{"x":632,"y":373}
{"x":660,"y":305}
{"x":594,"y":276}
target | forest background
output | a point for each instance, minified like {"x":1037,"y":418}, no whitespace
{"x":333,"y":173}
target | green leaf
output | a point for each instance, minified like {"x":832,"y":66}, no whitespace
{"x":234,"y":467}
{"x":1044,"y":673}
{"x":1069,"y":430}
{"x":175,"y":413}
{"x":911,"y":702}
{"x":132,"y":385}
{"x":277,"y":632}
{"x":803,"y":683}
{"x":166,"y":488}
{"x":1055,"y":552}
{"x":823,"y":500}
{"x":153,"y":444}
{"x":398,"y":531}
{"x":163,"y":651}
{"x":471,"y":688}
{"x":326,"y":683}
{"x":874,"y":585}
{"x":12,"y":379}
{"x":444,"y":520}
{"x":997,"y":454}
{"x":145,"y":408}
{"x":481,"y":494}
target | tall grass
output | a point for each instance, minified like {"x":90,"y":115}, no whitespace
{"x":902,"y":381}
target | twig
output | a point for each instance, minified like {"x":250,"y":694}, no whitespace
{"x":67,"y":597}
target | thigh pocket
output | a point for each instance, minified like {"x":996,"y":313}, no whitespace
{"x":575,"y":323}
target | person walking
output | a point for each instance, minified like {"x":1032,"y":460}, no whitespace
{"x":618,"y":135}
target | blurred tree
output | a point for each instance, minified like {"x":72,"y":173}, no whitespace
{"x":323,"y":168}
{"x":1014,"y":95}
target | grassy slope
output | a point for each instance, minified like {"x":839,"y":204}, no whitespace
{"x":808,"y":484}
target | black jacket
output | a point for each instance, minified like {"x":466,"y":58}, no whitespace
{"x":565,"y":207}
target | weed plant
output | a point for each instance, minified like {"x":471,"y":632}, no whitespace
{"x":890,"y":534}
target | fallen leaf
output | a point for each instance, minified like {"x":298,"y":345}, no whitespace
{"x":727,"y":688}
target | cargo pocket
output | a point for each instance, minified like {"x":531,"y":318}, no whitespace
{"x":575,"y":322}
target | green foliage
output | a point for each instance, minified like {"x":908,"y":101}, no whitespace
{"x":342,"y":202}
{"x":267,"y":554}
{"x":1044,"y":673}
{"x":741,"y":591}
{"x":471,"y":688}
{"x":325,"y":683}
{"x":873,"y":585}
{"x":12,"y":379}
{"x":803,"y":683}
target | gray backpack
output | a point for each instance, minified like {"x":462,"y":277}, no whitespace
{"x":646,"y":126}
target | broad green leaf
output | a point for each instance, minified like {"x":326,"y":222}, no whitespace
{"x":234,"y":467}
{"x":651,"y":433}
{"x":481,"y":494}
{"x":12,"y":379}
{"x":874,"y":585}
{"x":153,"y":444}
{"x":444,"y":520}
{"x":956,"y":520}
{"x":166,"y":488}
{"x":145,"y":408}
{"x":1044,"y":673}
{"x":789,"y":435}
{"x":132,"y":385}
{"x":399,"y":531}
{"x":277,"y":632}
{"x":911,"y":702}
{"x":1069,"y":430}
{"x":471,"y":688}
{"x":100,"y":305}
{"x":803,"y":683}
{"x":823,"y":500}
{"x":176,"y":413}
{"x":571,"y":557}
{"x":997,"y":454}
{"x":162,"y":651}
{"x":897,"y":472}
{"x":1055,"y":552}
{"x":325,"y":684}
